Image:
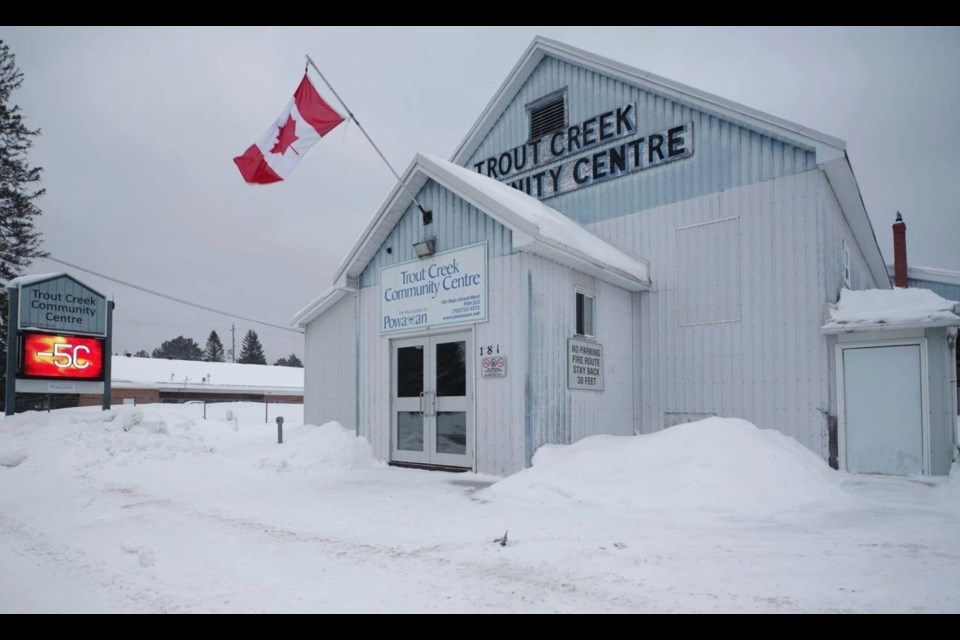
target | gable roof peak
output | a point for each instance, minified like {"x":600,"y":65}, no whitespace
{"x":827,"y":147}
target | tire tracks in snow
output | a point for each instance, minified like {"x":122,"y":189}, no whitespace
{"x":70,"y":562}
{"x":541,"y":586}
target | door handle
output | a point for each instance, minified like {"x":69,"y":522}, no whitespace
{"x":421,"y":403}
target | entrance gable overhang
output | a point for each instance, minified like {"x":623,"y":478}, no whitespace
{"x":536,"y":227}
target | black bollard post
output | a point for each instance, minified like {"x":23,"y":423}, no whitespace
{"x":279,"y":429}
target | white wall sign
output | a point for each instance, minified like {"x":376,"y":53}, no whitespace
{"x":493,"y":367}
{"x":444,"y":289}
{"x":584,"y":364}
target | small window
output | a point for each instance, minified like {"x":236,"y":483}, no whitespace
{"x":846,"y":266}
{"x":547,"y":115}
{"x":586,"y":314}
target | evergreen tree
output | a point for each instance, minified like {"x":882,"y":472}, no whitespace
{"x":252,"y":351}
{"x":214,"y":350}
{"x":290,"y":361}
{"x":179,"y":348}
{"x":19,"y":240}
{"x":141,"y":354}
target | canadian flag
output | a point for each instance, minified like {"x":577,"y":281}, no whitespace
{"x":306,"y":119}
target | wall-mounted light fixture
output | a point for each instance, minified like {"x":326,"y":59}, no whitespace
{"x":424,"y":248}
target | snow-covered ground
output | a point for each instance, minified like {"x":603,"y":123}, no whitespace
{"x":154,"y":509}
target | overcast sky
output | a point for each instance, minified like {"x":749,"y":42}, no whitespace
{"x":139,"y":126}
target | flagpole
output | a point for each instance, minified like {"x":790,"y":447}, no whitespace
{"x":369,"y":139}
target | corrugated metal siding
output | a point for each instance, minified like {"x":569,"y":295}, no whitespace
{"x":610,"y":411}
{"x":708,"y":260}
{"x":942,"y":368}
{"x":374,"y":374}
{"x":833,"y":231}
{"x":559,"y":415}
{"x":456,"y":223}
{"x":725,"y":154}
{"x":500,"y":410}
{"x":330,"y":371}
{"x":942,"y":289}
{"x":768,"y":367}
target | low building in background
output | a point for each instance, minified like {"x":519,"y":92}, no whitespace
{"x":146,"y":380}
{"x":942,"y":282}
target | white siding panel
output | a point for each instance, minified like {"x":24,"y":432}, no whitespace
{"x":500,"y":401}
{"x":456,"y":223}
{"x":942,"y":389}
{"x":764,"y":367}
{"x":560,"y":415}
{"x":833,"y":233}
{"x":374,"y":375}
{"x":330,"y":371}
{"x":708,"y":265}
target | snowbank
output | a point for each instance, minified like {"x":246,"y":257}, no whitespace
{"x":330,"y":446}
{"x":11,"y":456}
{"x":890,"y":306}
{"x":717,"y":464}
{"x":234,"y":439}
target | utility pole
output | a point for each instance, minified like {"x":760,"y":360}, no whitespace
{"x":233,"y":342}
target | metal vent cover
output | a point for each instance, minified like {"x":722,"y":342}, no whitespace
{"x":547,"y":116}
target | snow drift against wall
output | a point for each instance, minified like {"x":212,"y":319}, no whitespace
{"x":717,"y":464}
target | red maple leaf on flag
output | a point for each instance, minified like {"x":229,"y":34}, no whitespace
{"x":286,"y":137}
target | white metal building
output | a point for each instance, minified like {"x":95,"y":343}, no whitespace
{"x":608,"y":251}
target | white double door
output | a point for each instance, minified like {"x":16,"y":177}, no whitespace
{"x":432,"y":400}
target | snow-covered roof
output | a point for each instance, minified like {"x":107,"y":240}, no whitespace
{"x":536,"y":227}
{"x":547,"y":225}
{"x":213,"y":377}
{"x":23,"y":281}
{"x":890,"y":308}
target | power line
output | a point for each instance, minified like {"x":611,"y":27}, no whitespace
{"x":168,"y":297}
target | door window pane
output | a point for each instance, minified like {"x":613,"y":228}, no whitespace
{"x":452,"y":368}
{"x":451,"y":432}
{"x":409,"y":371}
{"x":409,"y":431}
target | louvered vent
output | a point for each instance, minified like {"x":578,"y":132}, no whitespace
{"x":547,"y":117}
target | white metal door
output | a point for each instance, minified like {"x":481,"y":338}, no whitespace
{"x":432,"y":416}
{"x":883,"y":409}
